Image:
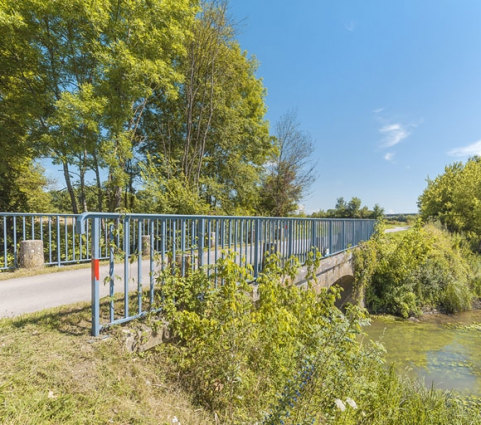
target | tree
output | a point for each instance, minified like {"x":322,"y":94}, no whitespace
{"x":454,"y":198}
{"x":290,"y":172}
{"x":77,"y":76}
{"x":351,"y":209}
{"x":377,"y":212}
{"x":213,"y":136}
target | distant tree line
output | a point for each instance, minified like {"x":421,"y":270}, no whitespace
{"x":351,"y":209}
{"x":145,"y":106}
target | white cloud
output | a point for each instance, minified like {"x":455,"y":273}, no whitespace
{"x":393,"y":134}
{"x":378,"y":110}
{"x":350,"y":26}
{"x":470,"y":150}
{"x":389,"y":156}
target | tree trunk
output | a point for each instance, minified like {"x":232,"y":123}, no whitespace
{"x":71,"y":192}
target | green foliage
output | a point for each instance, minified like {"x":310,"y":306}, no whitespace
{"x":351,"y":209}
{"x":23,"y":187}
{"x":77,"y":76}
{"x":288,"y":357}
{"x":422,"y":267}
{"x":166,"y":192}
{"x":213,"y":136}
{"x":454,"y":198}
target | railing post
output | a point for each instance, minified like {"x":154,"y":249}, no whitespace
{"x":95,"y":251}
{"x":344,"y":235}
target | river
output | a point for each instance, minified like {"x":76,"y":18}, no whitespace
{"x":444,"y":350}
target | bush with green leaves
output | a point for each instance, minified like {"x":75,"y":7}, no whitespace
{"x":423,"y":267}
{"x":284,"y":356}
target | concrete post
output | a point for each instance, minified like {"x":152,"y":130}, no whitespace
{"x":212,"y":240}
{"x":31,"y":254}
{"x":145,"y":245}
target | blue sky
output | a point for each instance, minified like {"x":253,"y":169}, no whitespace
{"x":390,"y":91}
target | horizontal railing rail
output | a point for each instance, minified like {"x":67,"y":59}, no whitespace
{"x":141,"y":246}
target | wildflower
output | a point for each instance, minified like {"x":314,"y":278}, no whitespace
{"x":351,"y":403}
{"x":340,"y":405}
{"x":175,"y":420}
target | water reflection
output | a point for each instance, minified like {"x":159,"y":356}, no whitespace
{"x":444,"y":350}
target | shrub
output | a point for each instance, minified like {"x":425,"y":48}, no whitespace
{"x":290,"y":357}
{"x":422,"y":267}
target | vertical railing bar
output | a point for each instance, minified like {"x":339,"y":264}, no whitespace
{"x":182,"y":245}
{"x":95,"y":276}
{"x":152,"y":282}
{"x":201,"y":242}
{"x":87,"y":224}
{"x":73,"y":239}
{"x":174,"y":242}
{"x":162,"y":243}
{"x":15,"y":253}
{"x":217,"y":237}
{"x":241,"y":239}
{"x":5,"y":240}
{"x":66,"y":238}
{"x":126,"y":248}
{"x":235,"y":240}
{"x":192,"y":243}
{"x":111,"y":273}
{"x":41,"y":228}
{"x":58,"y":240}
{"x":256,"y":247}
{"x":139,"y":265}
{"x":209,"y":244}
{"x":49,"y":239}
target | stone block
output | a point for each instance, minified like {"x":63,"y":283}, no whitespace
{"x":31,"y":254}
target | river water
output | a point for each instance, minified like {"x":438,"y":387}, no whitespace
{"x":444,"y":350}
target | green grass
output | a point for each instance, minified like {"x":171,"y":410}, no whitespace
{"x":53,"y":372}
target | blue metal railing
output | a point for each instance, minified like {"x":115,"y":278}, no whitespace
{"x":57,"y":231}
{"x":139,"y":246}
{"x":136,"y":247}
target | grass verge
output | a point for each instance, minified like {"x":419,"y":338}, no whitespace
{"x":53,"y":372}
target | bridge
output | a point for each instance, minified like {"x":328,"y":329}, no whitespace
{"x":127,"y":252}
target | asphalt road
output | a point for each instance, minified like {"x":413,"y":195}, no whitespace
{"x":36,"y":293}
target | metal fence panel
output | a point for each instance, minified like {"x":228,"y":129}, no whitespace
{"x":137,"y":247}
